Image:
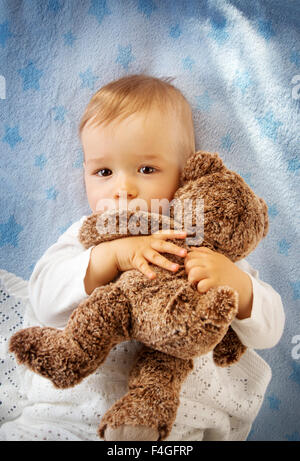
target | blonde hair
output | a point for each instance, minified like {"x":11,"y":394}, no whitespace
{"x":139,"y":93}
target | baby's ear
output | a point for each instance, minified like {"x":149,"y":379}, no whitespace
{"x":199,"y":164}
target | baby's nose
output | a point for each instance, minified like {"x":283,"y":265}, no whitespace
{"x":125,"y":194}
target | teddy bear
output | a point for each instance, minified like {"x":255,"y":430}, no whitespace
{"x":174,"y":322}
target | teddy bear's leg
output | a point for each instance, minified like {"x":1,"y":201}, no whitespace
{"x":229,"y":350}
{"x":67,"y":356}
{"x":148,"y":410}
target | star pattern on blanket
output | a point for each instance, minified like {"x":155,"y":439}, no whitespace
{"x":242,"y":80}
{"x":60,"y":112}
{"x":9,"y":232}
{"x":283,"y":247}
{"x":40,"y":161}
{"x":227,"y":142}
{"x":5,"y":33}
{"x":88,"y":79}
{"x":51,"y":193}
{"x":54,"y":5}
{"x":146,"y":7}
{"x":296,"y":289}
{"x":69,"y":38}
{"x":274,"y":402}
{"x":203,"y":101}
{"x":219,"y":35}
{"x":265,"y":29}
{"x":31,"y":76}
{"x":125,"y":56}
{"x":99,"y":9}
{"x":12,"y":136}
{"x":175,"y":31}
{"x":295,"y":58}
{"x":269,"y":125}
{"x":272,"y":210}
{"x":295,"y":376}
{"x":188,"y":63}
{"x":294,"y":164}
{"x":218,"y":24}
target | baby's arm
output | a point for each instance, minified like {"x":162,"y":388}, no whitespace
{"x":56,"y":284}
{"x":264,"y":328}
{"x":102,"y":267}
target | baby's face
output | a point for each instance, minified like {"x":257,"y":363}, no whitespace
{"x":132,"y":159}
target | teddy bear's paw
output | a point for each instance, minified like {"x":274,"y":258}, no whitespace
{"x":48,"y":352}
{"x":132,"y":433}
{"x":229,"y":350}
{"x":143,"y":412}
{"x":25,"y":344}
{"x":223,"y":305}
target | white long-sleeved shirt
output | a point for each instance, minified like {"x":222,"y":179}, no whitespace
{"x":215,"y":403}
{"x":56,"y":287}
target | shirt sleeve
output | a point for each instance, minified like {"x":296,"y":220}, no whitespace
{"x":264,"y":328}
{"x":56,"y":285}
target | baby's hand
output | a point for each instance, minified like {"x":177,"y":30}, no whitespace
{"x":207,"y":269}
{"x":134,"y":252}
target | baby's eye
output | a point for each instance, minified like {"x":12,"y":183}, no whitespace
{"x":99,"y":173}
{"x":147,"y":168}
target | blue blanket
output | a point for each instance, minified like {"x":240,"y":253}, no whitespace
{"x":237,"y":63}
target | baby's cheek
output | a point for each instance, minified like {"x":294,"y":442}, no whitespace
{"x":92,"y":197}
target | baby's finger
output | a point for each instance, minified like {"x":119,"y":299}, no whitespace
{"x":167,"y":247}
{"x":141,"y":264}
{"x":204,"y":285}
{"x":196,"y":273}
{"x":192,"y":262}
{"x":159,"y":260}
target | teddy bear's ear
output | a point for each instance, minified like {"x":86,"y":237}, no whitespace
{"x":199,"y":164}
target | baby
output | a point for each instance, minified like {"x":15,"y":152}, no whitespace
{"x":137,"y":133}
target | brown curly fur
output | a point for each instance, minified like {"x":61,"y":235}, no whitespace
{"x":167,"y":314}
